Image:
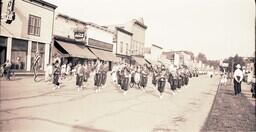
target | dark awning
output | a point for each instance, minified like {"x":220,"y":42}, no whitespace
{"x":105,"y":55}
{"x":153,"y":62}
{"x":139,"y":60}
{"x":76,"y":50}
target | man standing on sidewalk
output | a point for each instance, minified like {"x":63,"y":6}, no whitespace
{"x":238,"y":77}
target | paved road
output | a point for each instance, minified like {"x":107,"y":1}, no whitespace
{"x":30,"y":107}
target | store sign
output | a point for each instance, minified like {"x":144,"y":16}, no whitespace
{"x":79,"y":34}
{"x":10,"y":15}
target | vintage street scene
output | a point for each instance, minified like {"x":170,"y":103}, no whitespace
{"x":127,"y":66}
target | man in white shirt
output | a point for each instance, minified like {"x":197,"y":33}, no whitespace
{"x":238,"y":77}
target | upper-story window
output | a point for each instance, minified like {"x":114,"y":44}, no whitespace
{"x":121,"y":47}
{"x":34,"y":25}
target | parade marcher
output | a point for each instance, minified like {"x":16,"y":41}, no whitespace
{"x":104,"y":74}
{"x":63,"y":71}
{"x":48,"y":73}
{"x":114,"y":74}
{"x":238,"y":77}
{"x":133,"y":70}
{"x":35,"y":64}
{"x":154,"y":76}
{"x":144,"y":78}
{"x":119,"y":76}
{"x":98,"y":76}
{"x":161,"y":82}
{"x":125,"y":73}
{"x":186,"y":73}
{"x":80,"y":72}
{"x":56,"y":74}
{"x":137,"y":76}
{"x":179,"y":79}
{"x":173,"y":80}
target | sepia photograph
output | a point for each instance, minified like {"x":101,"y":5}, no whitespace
{"x":127,"y":66}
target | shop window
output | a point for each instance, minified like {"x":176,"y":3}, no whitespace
{"x":19,"y":54}
{"x":34,"y":25}
{"x":40,"y":47}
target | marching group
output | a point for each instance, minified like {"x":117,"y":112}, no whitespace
{"x":124,"y":76}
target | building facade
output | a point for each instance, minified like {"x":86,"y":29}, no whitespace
{"x":26,"y":28}
{"x":154,"y":53}
{"x":92,"y":40}
{"x":122,"y":40}
{"x":180,"y":58}
{"x":138,"y":29}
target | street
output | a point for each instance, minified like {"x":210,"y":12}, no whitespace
{"x":27,"y":106}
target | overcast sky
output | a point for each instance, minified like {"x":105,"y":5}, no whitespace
{"x":217,"y":28}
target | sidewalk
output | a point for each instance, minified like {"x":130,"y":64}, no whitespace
{"x":230,"y":112}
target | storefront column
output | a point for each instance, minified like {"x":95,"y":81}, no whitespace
{"x":29,"y":55}
{"x":47,"y":55}
{"x":9,"y":49}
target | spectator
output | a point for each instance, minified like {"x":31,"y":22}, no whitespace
{"x":238,"y":77}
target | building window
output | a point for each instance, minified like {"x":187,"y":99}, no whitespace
{"x":121,"y":47}
{"x":126,"y":47}
{"x":34,"y":25}
{"x":40,"y":47}
{"x":19,"y":54}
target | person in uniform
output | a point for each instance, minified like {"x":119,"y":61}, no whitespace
{"x":104,"y":74}
{"x":161,"y":80}
{"x":186,"y":76}
{"x":114,"y":74}
{"x":238,"y":77}
{"x":137,"y":76}
{"x":178,"y":79}
{"x":98,"y":76}
{"x":79,"y":76}
{"x":132,"y":70}
{"x":56,"y":75}
{"x":172,"y":80}
{"x":125,"y":81}
{"x":144,"y":78}
{"x":154,"y":76}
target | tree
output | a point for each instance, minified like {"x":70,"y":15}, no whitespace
{"x":201,"y":57}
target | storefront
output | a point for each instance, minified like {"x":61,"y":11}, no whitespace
{"x":28,"y":33}
{"x":72,"y":52}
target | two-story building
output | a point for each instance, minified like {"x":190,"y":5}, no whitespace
{"x":77,"y":41}
{"x":26,"y":28}
{"x":138,"y":29}
{"x":153,"y":54}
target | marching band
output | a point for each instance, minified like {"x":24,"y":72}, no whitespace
{"x":125,"y":76}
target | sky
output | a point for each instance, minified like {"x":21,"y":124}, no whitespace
{"x":217,"y":28}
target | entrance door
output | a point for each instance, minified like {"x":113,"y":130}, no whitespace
{"x":3,"y":49}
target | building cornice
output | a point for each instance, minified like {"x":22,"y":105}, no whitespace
{"x":157,"y":46}
{"x":140,"y":24}
{"x":124,"y":31}
{"x":45,"y":3}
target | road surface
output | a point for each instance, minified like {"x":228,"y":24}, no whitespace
{"x":26,"y":106}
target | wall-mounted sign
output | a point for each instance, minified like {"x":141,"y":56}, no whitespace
{"x":79,"y":35}
{"x":10,"y":15}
